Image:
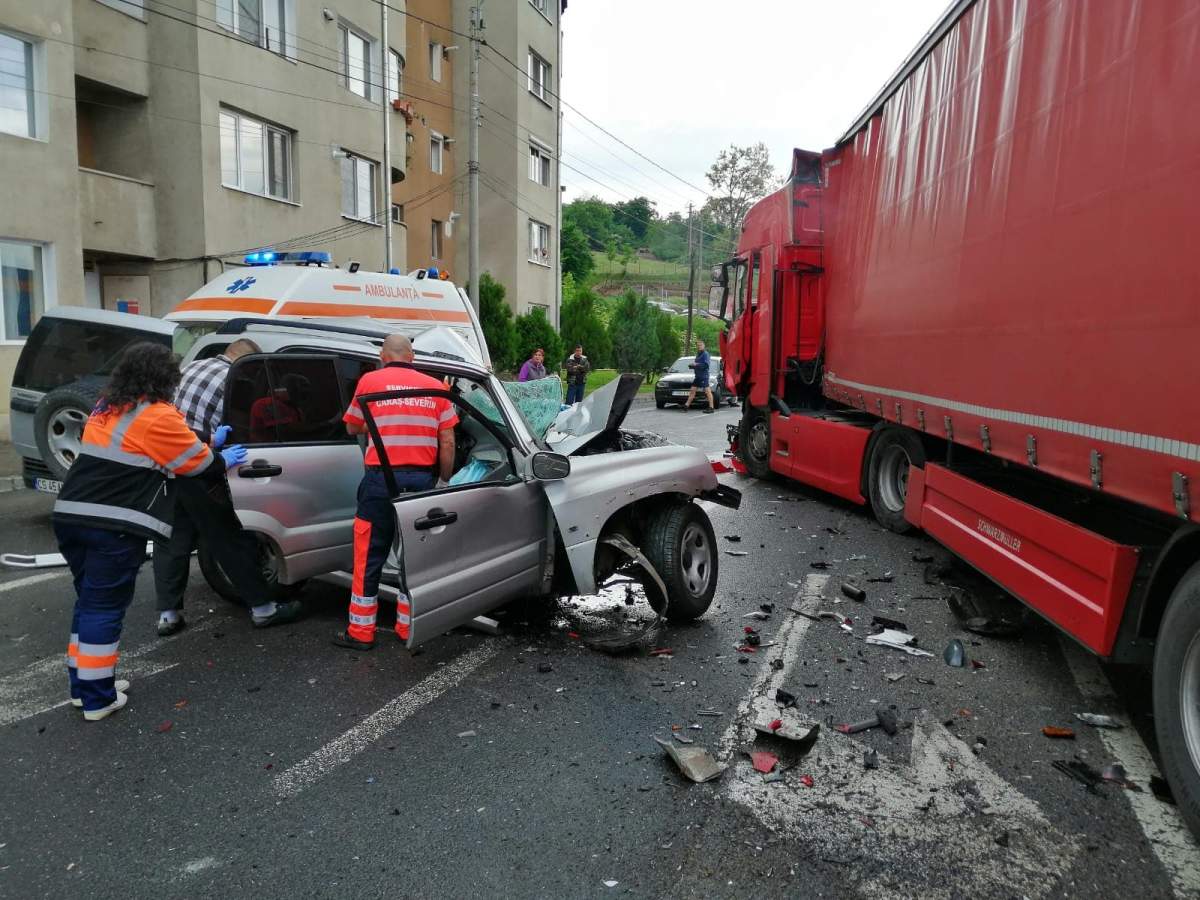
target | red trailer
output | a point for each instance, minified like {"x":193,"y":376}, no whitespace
{"x":980,"y":314}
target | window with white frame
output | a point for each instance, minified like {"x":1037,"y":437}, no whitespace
{"x":18,"y":107}
{"x":435,"y":239}
{"x":398,"y":213}
{"x":358,"y":187}
{"x":356,"y":61}
{"x":435,"y":61}
{"x":539,"y":161}
{"x":21,"y":288}
{"x":539,"y":76}
{"x":541,"y":6}
{"x":255,"y":157}
{"x":539,"y":242}
{"x":262,"y":22}
{"x":437,"y":146}
{"x":395,"y":76}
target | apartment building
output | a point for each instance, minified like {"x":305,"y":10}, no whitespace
{"x":146,"y":146}
{"x":520,"y":192}
{"x":426,"y":201}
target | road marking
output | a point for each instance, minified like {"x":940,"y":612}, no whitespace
{"x":29,"y":580}
{"x":914,"y":820}
{"x":1162,"y":824}
{"x":384,"y":720}
{"x":40,"y":686}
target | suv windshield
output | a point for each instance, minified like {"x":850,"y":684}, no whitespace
{"x":61,"y":351}
{"x":681,"y":365}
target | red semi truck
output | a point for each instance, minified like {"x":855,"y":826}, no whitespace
{"x":979,"y":313}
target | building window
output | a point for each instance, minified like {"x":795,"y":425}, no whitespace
{"x":435,"y":239}
{"x":437,"y":145}
{"x":539,"y":162}
{"x":261,"y":22}
{"x":435,"y":61}
{"x":358,"y":187}
{"x":20,"y":288}
{"x":539,"y":76}
{"x":398,"y":213}
{"x":539,"y":243}
{"x":539,"y":5}
{"x":356,"y":61}
{"x":255,"y":156}
{"x":395,"y":76}
{"x":17,"y":106}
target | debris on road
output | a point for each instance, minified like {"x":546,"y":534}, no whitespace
{"x":1161,"y":790}
{"x":893,"y":677}
{"x":695,"y":763}
{"x":854,"y":592}
{"x":1115,"y":773}
{"x":661,"y":651}
{"x":750,"y":637}
{"x":885,"y":578}
{"x":734,"y":538}
{"x":818,"y":564}
{"x":897,"y":640}
{"x":885,"y":622}
{"x":955,"y":654}
{"x":1080,"y":771}
{"x":883,"y":718}
{"x":545,"y":667}
{"x":977,"y":664}
{"x":683,"y":738}
{"x":919,"y":557}
{"x":164,"y":727}
{"x":610,"y":883}
{"x":1097,"y":720}
{"x":466,"y":734}
{"x":806,"y":780}
{"x":1054,"y":731}
{"x":763,"y":761}
{"x":712,"y":713}
{"x":777,"y":664}
{"x":757,"y":614}
{"x":737,"y":553}
{"x":870,"y":759}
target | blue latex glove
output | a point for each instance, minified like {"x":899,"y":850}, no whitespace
{"x":220,"y":436}
{"x":234,"y":455}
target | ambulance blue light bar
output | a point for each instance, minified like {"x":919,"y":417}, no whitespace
{"x":303,"y":257}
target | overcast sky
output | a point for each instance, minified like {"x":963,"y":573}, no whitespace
{"x":682,"y":79}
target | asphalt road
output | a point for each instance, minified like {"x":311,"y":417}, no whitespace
{"x":270,"y":763}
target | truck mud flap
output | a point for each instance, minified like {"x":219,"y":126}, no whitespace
{"x":1074,"y":577}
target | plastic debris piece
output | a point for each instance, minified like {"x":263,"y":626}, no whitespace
{"x":806,"y":780}
{"x":885,"y":622}
{"x":733,"y":538}
{"x":695,"y":763}
{"x":736,"y":553}
{"x":790,"y":726}
{"x":763,"y":761}
{"x":164,"y":727}
{"x":1080,"y":771}
{"x":466,"y":734}
{"x":1097,"y":720}
{"x":819,"y":564}
{"x":923,"y":680}
{"x":897,"y":640}
{"x":1115,"y":774}
{"x":854,"y":592}
{"x":661,"y":651}
{"x":955,"y":654}
{"x":753,"y":640}
{"x":767,"y":607}
{"x":683,"y":738}
{"x":777,"y":775}
{"x":573,"y":635}
{"x":545,"y":667}
{"x":887,"y":721}
{"x":712,"y":713}
{"x":784,"y":698}
{"x":893,"y":677}
{"x":976,"y":664}
{"x":885,"y":578}
{"x":871,"y":759}
{"x":777,"y":664}
{"x":1054,"y":731}
{"x":776,"y":724}
{"x":757,"y":614}
{"x":743,"y":660}
{"x":611,"y":884}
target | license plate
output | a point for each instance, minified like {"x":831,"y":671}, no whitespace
{"x":47,"y":485}
{"x":679,"y":393}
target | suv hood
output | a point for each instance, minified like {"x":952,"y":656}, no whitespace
{"x":601,"y":413}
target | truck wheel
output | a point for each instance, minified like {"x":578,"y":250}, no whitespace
{"x":58,"y":426}
{"x":893,"y":452}
{"x":754,"y":442}
{"x":1177,"y":695}
{"x":680,"y":544}
{"x":268,"y":559}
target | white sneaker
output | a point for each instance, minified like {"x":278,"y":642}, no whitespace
{"x":120,"y":684}
{"x":95,"y":715}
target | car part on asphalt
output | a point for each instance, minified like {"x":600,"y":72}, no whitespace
{"x":695,"y":763}
{"x":897,"y":640}
{"x":1058,"y":733}
{"x":1098,"y":720}
{"x":955,"y":654}
{"x":854,"y":592}
{"x":762,"y":761}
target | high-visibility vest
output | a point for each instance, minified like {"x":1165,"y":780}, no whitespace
{"x":119,"y":479}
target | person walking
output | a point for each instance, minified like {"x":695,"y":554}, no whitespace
{"x":114,"y":499}
{"x":701,"y":366}
{"x":577,"y":373}
{"x":534,"y":368}
{"x":418,"y":437}
{"x":204,"y":511}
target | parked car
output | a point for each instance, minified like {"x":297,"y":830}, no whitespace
{"x":676,"y":381}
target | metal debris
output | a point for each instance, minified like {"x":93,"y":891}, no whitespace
{"x":695,"y":763}
{"x":897,"y":640}
{"x":1096,"y":720}
{"x":854,"y":592}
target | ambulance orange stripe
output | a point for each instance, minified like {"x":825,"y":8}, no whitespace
{"x":227,"y":304}
{"x":348,"y":287}
{"x":303,"y":308}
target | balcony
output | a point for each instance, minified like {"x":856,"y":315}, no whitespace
{"x":117,"y":214}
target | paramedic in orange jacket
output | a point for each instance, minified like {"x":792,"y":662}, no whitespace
{"x":113,"y":500}
{"x":418,"y":436}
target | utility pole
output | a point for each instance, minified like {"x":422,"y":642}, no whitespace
{"x":687,"y":344}
{"x":473,"y":163}
{"x":385,"y":58}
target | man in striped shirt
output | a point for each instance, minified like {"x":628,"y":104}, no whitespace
{"x":418,"y":437}
{"x":204,"y":512}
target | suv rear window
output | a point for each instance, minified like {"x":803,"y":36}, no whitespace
{"x":61,"y":351}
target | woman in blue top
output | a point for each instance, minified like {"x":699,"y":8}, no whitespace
{"x":701,"y":380}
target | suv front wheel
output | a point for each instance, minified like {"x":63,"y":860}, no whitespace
{"x":269,"y":562}
{"x":680,"y":544}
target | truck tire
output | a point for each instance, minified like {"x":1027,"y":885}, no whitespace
{"x":58,"y":425}
{"x":754,"y":441}
{"x":893,"y":452}
{"x":223,"y":585}
{"x":680,"y":543}
{"x":1177,"y":695}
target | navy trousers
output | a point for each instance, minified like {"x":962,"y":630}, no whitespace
{"x":574,"y":393}
{"x":104,"y":565}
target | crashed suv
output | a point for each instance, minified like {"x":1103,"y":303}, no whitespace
{"x":542,"y":502}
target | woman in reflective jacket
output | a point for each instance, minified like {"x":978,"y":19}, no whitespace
{"x":113,"y":500}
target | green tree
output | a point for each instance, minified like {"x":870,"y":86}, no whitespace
{"x":633,"y":331}
{"x":668,"y":342}
{"x":533,"y":330}
{"x":580,"y":324}
{"x":637,"y":215}
{"x":577,"y":259}
{"x":626,"y":257}
{"x":497,"y":321}
{"x":739,"y":177}
{"x":592,"y":216}
{"x":610,"y":250}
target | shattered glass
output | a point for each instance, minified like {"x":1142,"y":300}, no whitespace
{"x":538,"y":402}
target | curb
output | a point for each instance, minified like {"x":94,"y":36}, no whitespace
{"x":9,"y":483}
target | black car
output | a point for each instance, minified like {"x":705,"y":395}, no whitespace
{"x":676,"y":381}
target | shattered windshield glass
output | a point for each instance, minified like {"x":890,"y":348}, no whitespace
{"x":538,"y":402}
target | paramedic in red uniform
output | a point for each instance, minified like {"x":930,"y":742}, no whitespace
{"x":418,"y":436}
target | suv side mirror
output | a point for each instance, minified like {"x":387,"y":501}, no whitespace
{"x":547,"y":466}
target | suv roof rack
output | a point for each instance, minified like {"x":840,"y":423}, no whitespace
{"x":239,"y":326}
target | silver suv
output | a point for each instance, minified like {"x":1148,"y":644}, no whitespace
{"x":542,"y":502}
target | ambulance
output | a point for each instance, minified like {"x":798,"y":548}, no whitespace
{"x":302,"y":285}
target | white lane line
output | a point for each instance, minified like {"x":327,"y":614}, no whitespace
{"x":384,"y":720}
{"x":29,"y":580}
{"x":1162,"y":824}
{"x":42,"y":686}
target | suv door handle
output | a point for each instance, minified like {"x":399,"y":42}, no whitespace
{"x":260,"y":468}
{"x":435,"y":518}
